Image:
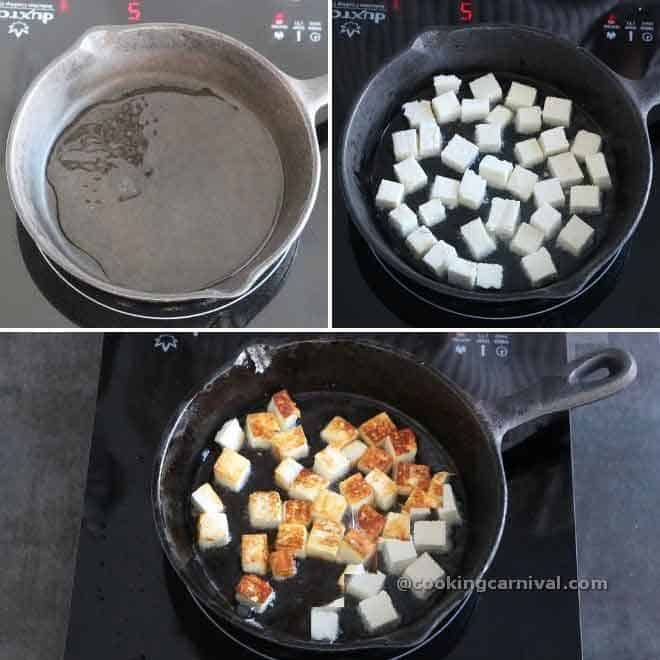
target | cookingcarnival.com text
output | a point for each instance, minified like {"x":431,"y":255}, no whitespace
{"x":556,"y":583}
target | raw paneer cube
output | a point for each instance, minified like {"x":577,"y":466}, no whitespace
{"x":575,"y":237}
{"x":398,"y":555}
{"x":418,"y":113}
{"x":446,"y":83}
{"x":490,"y":276}
{"x":265,"y":509}
{"x":486,"y":87}
{"x":585,"y":199}
{"x":324,"y":624}
{"x":206,"y":500}
{"x":331,"y":464}
{"x":521,"y":183}
{"x":472,"y":190}
{"x":500,"y":115}
{"x":351,"y":569}
{"x":431,"y":536}
{"x":488,"y":138}
{"x":378,"y":612}
{"x":212,"y":530}
{"x":404,"y":144}
{"x":411,"y":175}
{"x":448,"y":511}
{"x":390,"y":194}
{"x":420,"y":241}
{"x":598,"y":171}
{"x":496,"y":172}
{"x":462,"y":273}
{"x":231,"y":470}
{"x":528,"y":120}
{"x":554,"y":141}
{"x":547,"y":219}
{"x":230,"y":435}
{"x":478,"y":240}
{"x":585,"y":144}
{"x":528,"y":239}
{"x":403,"y":220}
{"x":430,"y":141}
{"x":557,"y":111}
{"x":474,"y":110}
{"x":254,"y":553}
{"x":446,"y":190}
{"x":549,"y":191}
{"x":539,"y":267}
{"x":336,"y":604}
{"x":446,"y":108}
{"x":439,"y":256}
{"x":285,"y":409}
{"x":565,"y":168}
{"x":504,"y":217}
{"x":424,"y":575}
{"x":432,"y":212}
{"x":286,"y":472}
{"x":529,"y":153}
{"x":520,"y":96}
{"x":364,"y":585}
{"x":459,"y":154}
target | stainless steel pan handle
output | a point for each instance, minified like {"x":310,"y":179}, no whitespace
{"x":575,"y":384}
{"x":313,"y":93}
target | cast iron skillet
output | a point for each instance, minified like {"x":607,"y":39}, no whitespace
{"x":619,"y":107}
{"x":352,"y":372}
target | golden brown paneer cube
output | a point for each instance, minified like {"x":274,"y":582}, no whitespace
{"x":286,"y":472}
{"x":436,"y":487}
{"x":357,"y":547}
{"x":376,"y":429}
{"x":282,"y":564}
{"x":285,"y":409}
{"x":385,"y":491}
{"x":397,"y":526}
{"x":254,"y":593}
{"x":370,"y":521}
{"x":307,"y":485}
{"x":354,"y":451}
{"x":265,"y":509}
{"x":254,"y":553}
{"x":375,"y":458}
{"x":356,"y":491}
{"x":260,"y":428}
{"x":231,"y":470}
{"x":290,"y":444}
{"x":419,"y":504}
{"x":329,"y":505}
{"x":339,"y":433}
{"x":411,"y":475}
{"x":402,"y":446}
{"x":293,"y":537}
{"x":298,"y":511}
{"x":324,"y":539}
{"x":331,"y":464}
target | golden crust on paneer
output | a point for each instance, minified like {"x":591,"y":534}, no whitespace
{"x":292,"y":537}
{"x":397,"y":526}
{"x":254,"y":553}
{"x":260,"y":428}
{"x":285,"y":409}
{"x":329,"y":505}
{"x":356,"y":547}
{"x":297,"y":511}
{"x":331,"y":464}
{"x":419,"y":503}
{"x":307,"y":485}
{"x":290,"y":444}
{"x":324,"y":539}
{"x":411,"y":475}
{"x":385,"y":491}
{"x":402,"y":446}
{"x":436,"y":487}
{"x":265,"y":509}
{"x":376,"y":429}
{"x":231,"y":470}
{"x":286,"y":472}
{"x":370,"y":521}
{"x":282,"y":564}
{"x":254,"y":592}
{"x":375,"y":458}
{"x":354,"y":451}
{"x":356,"y":491}
{"x":339,"y":432}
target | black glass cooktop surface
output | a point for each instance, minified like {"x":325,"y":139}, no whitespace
{"x":128,"y":603}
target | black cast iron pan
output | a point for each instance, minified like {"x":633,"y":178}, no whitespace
{"x":603,"y":101}
{"x":356,"y":380}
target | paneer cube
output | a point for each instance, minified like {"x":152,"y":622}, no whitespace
{"x":357,"y":547}
{"x":448,"y":510}
{"x":297,"y":511}
{"x":375,"y":458}
{"x":430,"y":141}
{"x":411,"y":175}
{"x":546,"y":219}
{"x":500,"y":115}
{"x":260,"y":429}
{"x":521,"y":182}
{"x":402,"y":446}
{"x":418,"y":113}
{"x":529,"y":153}
{"x":285,"y":409}
{"x":446,"y":83}
{"x":488,"y":138}
{"x":446,"y":190}
{"x":370,"y":521}
{"x":486,"y":87}
{"x":339,"y":432}
{"x":549,"y":191}
{"x":462,"y":273}
{"x":324,"y":539}
{"x":354,"y":451}
{"x":364,"y":585}
{"x":478,"y":240}
{"x":472,"y":190}
{"x":231,"y":470}
{"x":397,"y":526}
{"x":459,"y":154}
{"x":557,"y":111}
{"x":403,"y":220}
{"x":496,"y":172}
{"x":385,"y":490}
{"x":436,"y":487}
{"x":212,"y":530}
{"x":307,"y":485}
{"x":331,"y":464}
{"x":474,"y":110}
{"x":565,"y":168}
{"x":503,"y":218}
{"x":424,"y":574}
{"x":410,"y":475}
{"x":356,"y":491}
{"x":398,"y":555}
{"x":446,"y":107}
{"x":255,"y":593}
{"x":520,"y":96}
{"x":528,"y":239}
{"x":206,"y":500}
{"x":431,"y":536}
{"x":554,"y":141}
{"x":254,"y":553}
{"x":265,"y":509}
{"x":439,"y":257}
{"x":290,"y":444}
{"x":528,"y":120}
{"x":490,"y":276}
{"x":585,"y":144}
{"x":420,"y":241}
{"x":585,"y":199}
{"x":418,"y":505}
{"x":336,"y":604}
{"x":376,"y":429}
{"x":378,"y":613}
{"x":230,"y":435}
{"x":282,"y":564}
{"x":432,"y":213}
{"x":324,"y":624}
{"x":329,"y":506}
{"x":390,"y":194}
{"x":286,"y":472}
{"x":539,"y":267}
{"x":598,"y":171}
{"x":292,"y":537}
{"x":405,"y":144}
{"x":575,"y":237}
{"x":351,"y":569}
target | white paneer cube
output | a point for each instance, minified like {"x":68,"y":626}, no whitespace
{"x":500,"y":115}
{"x":462,"y":273}
{"x":528,"y":239}
{"x":459,"y":154}
{"x":351,"y":569}
{"x":575,"y":237}
{"x":432,"y":212}
{"x":286,"y":473}
{"x":430,"y":141}
{"x":378,"y":612}
{"x":557,"y":111}
{"x":547,"y":219}
{"x":446,"y":190}
{"x":449,"y":510}
{"x":285,"y":409}
{"x":420,"y":241}
{"x":331,"y":464}
{"x":353,"y":452}
{"x":529,"y":153}
{"x":503,"y":218}
{"x":520,"y":96}
{"x":528,"y":120}
{"x":438,"y":258}
{"x":549,"y":191}
{"x":490,"y":276}
{"x":212,"y":530}
{"x":585,"y":144}
{"x":585,"y":199}
{"x":539,"y":267}
{"x":486,"y":87}
{"x":254,"y":553}
{"x":554,"y":141}
{"x":405,"y":145}
{"x":231,"y":470}
{"x":446,"y":83}
{"x":446,"y":108}
{"x":337,"y":603}
{"x":403,"y":220}
{"x":598,"y":171}
{"x":431,"y":536}
{"x":230,"y":435}
{"x":206,"y":500}
{"x":479,"y":242}
{"x":424,"y":574}
{"x":472,"y":191}
{"x":390,"y":194}
{"x":565,"y":168}
{"x":364,"y":585}
{"x":496,"y":172}
{"x":411,"y":175}
{"x":474,"y":110}
{"x":385,"y":491}
{"x":265,"y":509}
{"x":418,"y":113}
{"x":488,"y":138}
{"x":324,"y":624}
{"x":521,"y":183}
{"x":397,"y":555}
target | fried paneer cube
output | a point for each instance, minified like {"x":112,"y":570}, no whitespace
{"x":282,"y":564}
{"x":292,"y":537}
{"x":376,"y":429}
{"x":329,"y":505}
{"x":260,"y":428}
{"x":297,"y":511}
{"x":411,"y":475}
{"x":385,"y":490}
{"x":436,"y":487}
{"x":419,"y":504}
{"x":231,"y":470}
{"x":286,"y":472}
{"x":254,"y":553}
{"x":255,"y":593}
{"x":324,"y":539}
{"x":375,"y":458}
{"x":307,"y":485}
{"x":285,"y":409}
{"x":397,"y":526}
{"x":206,"y":500}
{"x":290,"y":444}
{"x":265,"y":509}
{"x":331,"y":464}
{"x":212,"y":530}
{"x":357,"y":547}
{"x":356,"y":491}
{"x":370,"y":521}
{"x":402,"y":446}
{"x":339,"y":433}
{"x":354,"y":451}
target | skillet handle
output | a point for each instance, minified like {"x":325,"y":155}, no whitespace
{"x":313,"y":93}
{"x":646,"y":90}
{"x":573,"y":385}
